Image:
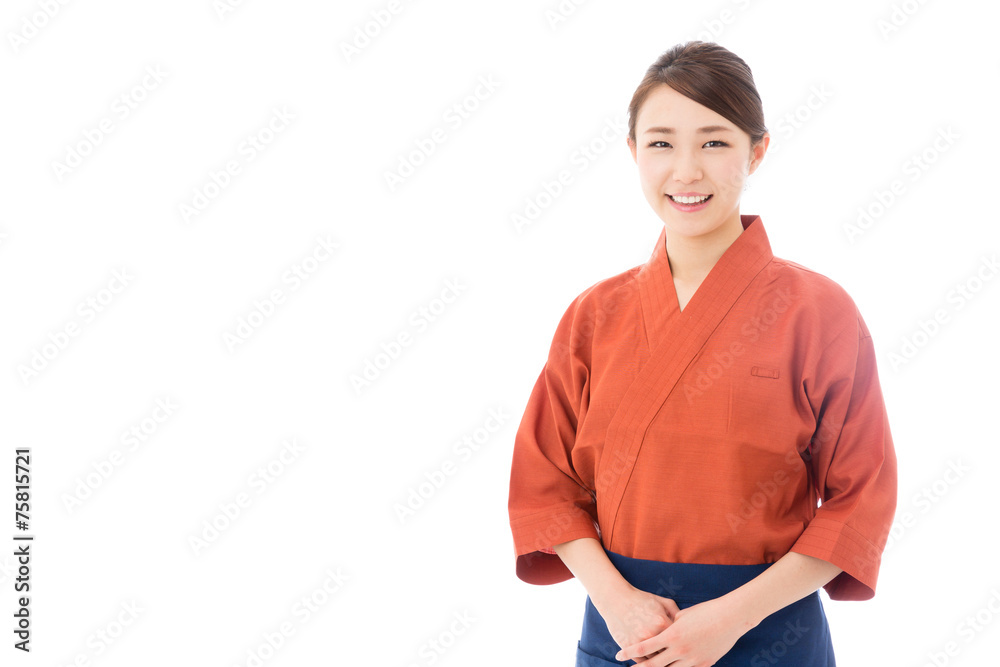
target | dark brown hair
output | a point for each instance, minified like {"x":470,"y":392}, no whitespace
{"x":712,"y":76}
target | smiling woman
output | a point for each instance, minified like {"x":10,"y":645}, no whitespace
{"x":707,"y":444}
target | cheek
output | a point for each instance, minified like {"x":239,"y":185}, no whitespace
{"x":651,"y":174}
{"x":733,"y":177}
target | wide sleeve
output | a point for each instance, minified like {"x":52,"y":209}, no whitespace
{"x":549,"y":501}
{"x":853,"y":464}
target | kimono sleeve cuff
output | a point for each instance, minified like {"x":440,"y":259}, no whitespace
{"x":534,"y":536}
{"x":845,"y":547}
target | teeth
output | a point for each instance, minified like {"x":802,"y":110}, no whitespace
{"x":689,"y":200}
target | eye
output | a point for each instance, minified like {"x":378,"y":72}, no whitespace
{"x":716,"y":141}
{"x":653,"y":144}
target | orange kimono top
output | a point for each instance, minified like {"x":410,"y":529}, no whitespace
{"x":748,"y":425}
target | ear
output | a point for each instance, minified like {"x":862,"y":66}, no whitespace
{"x":757,"y":154}
{"x":631,"y":147}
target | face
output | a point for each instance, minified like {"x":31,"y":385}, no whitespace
{"x":683,"y":148}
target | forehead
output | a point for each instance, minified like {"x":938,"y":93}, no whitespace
{"x":664,"y":106}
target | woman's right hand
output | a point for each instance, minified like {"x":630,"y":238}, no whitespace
{"x":636,"y":615}
{"x":632,"y":615}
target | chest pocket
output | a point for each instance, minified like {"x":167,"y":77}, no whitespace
{"x":763,"y":408}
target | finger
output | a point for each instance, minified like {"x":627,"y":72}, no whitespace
{"x":662,"y":659}
{"x":645,"y":648}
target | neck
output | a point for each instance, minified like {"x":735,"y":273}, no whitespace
{"x":692,"y":257}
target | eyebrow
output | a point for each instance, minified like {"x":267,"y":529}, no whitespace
{"x":701,"y":130}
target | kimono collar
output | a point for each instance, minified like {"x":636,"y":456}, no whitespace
{"x":730,"y":276}
{"x":673,"y":339}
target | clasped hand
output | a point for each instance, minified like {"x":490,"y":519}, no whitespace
{"x":653,"y":631}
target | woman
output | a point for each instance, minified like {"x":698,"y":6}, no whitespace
{"x":707,"y":444}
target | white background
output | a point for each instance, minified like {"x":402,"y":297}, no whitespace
{"x":332,"y":508}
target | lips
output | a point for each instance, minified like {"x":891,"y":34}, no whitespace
{"x":690,"y":199}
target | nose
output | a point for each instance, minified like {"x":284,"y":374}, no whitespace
{"x":687,"y":167}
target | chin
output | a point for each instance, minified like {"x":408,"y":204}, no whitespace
{"x":691,"y":228}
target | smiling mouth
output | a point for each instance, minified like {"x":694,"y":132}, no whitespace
{"x":690,"y":200}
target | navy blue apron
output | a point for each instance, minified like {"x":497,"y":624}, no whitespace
{"x":796,"y":636}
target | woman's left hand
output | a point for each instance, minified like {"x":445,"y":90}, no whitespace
{"x":699,"y":636}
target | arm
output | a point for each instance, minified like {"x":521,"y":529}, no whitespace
{"x":705,"y":632}
{"x":854,"y":464}
{"x":586,"y":559}
{"x":551,"y":500}
{"x":791,"y":578}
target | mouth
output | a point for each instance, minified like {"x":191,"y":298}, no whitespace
{"x":689,"y":203}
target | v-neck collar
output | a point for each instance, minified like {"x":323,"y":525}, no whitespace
{"x":675,"y":338}
{"x":734,"y":270}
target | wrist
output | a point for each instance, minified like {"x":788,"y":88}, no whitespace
{"x":745,"y":613}
{"x":612,"y":592}
{"x":587,"y":560}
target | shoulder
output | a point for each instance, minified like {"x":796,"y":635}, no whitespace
{"x":607,"y":295}
{"x":592,"y":311}
{"x":816,"y":297}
